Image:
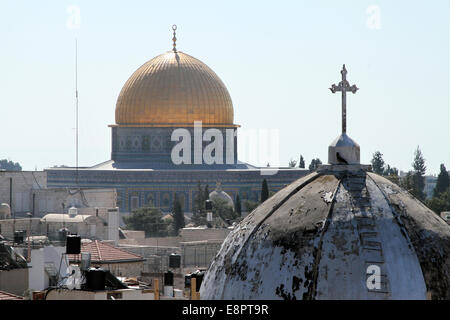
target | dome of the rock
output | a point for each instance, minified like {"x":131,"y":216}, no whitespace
{"x":340,"y":233}
{"x":174,"y":88}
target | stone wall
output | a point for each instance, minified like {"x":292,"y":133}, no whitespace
{"x":134,"y":234}
{"x":124,"y":269}
{"x":157,"y":258}
{"x":154,"y":241}
{"x":14,"y":281}
{"x":23,"y":182}
{"x":92,"y":227}
{"x":199,"y":254}
{"x":86,"y":200}
{"x":8,"y":226}
{"x":121,"y":294}
{"x":199,"y":234}
{"x":186,"y":235}
{"x":138,"y":188}
{"x":30,"y":194}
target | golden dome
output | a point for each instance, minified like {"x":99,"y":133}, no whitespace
{"x":174,"y":89}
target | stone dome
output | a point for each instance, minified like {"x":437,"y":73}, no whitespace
{"x":5,"y":211}
{"x":174,"y":88}
{"x":326,"y":235}
{"x":218,"y":193}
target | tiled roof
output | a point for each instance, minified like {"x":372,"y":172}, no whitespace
{"x":104,"y":253}
{"x":9,"y":296}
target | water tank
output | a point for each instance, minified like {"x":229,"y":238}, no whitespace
{"x":198,"y":275}
{"x":73,"y":244}
{"x":168,"y":278}
{"x":208,"y":205}
{"x":62,"y":234}
{"x":174,"y":261}
{"x":95,"y":279}
{"x":85,"y":261}
{"x":18,"y":236}
{"x":187,"y":280}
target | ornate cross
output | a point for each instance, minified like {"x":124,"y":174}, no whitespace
{"x":344,"y":86}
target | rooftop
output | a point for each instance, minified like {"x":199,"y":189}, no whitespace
{"x":103,"y":253}
{"x":9,"y":296}
{"x":60,"y":217}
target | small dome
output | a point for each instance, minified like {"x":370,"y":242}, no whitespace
{"x":174,"y":88}
{"x":218,"y":193}
{"x":5,"y":211}
{"x":325,"y":235}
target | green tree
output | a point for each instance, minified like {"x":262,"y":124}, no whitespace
{"x":9,"y":165}
{"x":264,"y":191}
{"x":178,"y":216}
{"x":406,"y":182}
{"x":250,"y":205}
{"x":392,"y":174}
{"x":237,"y":206}
{"x":292,"y":163}
{"x":301,"y":163}
{"x":199,"y":213}
{"x":418,"y":175}
{"x":440,"y":203}
{"x":314,"y":164}
{"x":206,"y":193}
{"x":223,"y":211}
{"x":148,"y":219}
{"x":443,"y":181}
{"x":377,"y":163}
{"x":390,"y":171}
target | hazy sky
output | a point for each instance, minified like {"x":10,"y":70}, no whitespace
{"x":277,"y":59}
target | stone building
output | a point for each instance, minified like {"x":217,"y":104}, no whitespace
{"x":158,"y":111}
{"x":341,"y":232}
{"x":197,"y":246}
{"x":100,"y":224}
{"x":27,"y":191}
{"x":13,"y":271}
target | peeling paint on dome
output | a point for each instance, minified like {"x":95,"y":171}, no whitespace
{"x":318,"y":238}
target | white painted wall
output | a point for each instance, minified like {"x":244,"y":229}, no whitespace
{"x":113,"y":225}
{"x":127,"y":294}
{"x":38,"y":279}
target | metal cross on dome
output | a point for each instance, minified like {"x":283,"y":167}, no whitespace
{"x":344,"y":86}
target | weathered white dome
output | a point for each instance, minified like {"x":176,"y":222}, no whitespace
{"x":5,"y":211}
{"x":326,"y":236}
{"x":218,"y":193}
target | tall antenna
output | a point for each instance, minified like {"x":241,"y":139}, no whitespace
{"x":76,"y":98}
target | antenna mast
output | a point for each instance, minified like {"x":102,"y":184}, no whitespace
{"x":76,"y":98}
